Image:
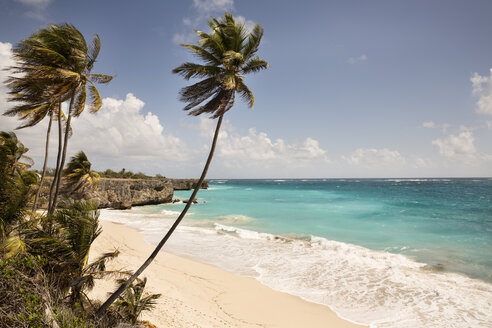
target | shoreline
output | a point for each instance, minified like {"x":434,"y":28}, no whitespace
{"x":196,"y":294}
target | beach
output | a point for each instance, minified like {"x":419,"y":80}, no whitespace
{"x":200,"y":295}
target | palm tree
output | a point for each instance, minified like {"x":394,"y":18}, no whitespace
{"x":229,"y":52}
{"x":56,"y":65}
{"x":39,"y":94}
{"x":133,"y":301}
{"x":66,"y":242}
{"x":15,"y":152}
{"x":78,"y":174}
{"x":15,"y":182}
{"x":80,"y":83}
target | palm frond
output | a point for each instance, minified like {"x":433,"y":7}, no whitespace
{"x":254,"y":39}
{"x":100,"y":78}
{"x":245,"y":93}
{"x":93,"y":52}
{"x":203,"y":54}
{"x":95,"y":99}
{"x":79,"y":103}
{"x":254,"y":65}
{"x":190,"y":70}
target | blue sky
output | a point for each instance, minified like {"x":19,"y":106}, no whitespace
{"x":355,"y":88}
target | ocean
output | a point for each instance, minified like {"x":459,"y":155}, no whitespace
{"x":381,"y":252}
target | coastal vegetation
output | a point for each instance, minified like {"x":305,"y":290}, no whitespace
{"x":229,"y":53}
{"x":45,"y":271}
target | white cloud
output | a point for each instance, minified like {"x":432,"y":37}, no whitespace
{"x":257,"y":149}
{"x":456,"y":145}
{"x":429,"y":125}
{"x":482,"y":87}
{"x":180,"y":38}
{"x":35,"y":3}
{"x":357,"y":60}
{"x":372,"y":157}
{"x":121,"y":130}
{"x":37,"y":8}
{"x":5,"y":61}
{"x":213,"y":5}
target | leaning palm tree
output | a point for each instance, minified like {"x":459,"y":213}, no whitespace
{"x":37,"y":93}
{"x":55,"y":66}
{"x":79,"y":83}
{"x":229,"y":52}
{"x":78,"y":174}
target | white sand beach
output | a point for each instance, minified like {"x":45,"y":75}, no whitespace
{"x":200,"y":295}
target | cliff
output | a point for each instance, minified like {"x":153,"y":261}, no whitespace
{"x":124,"y":193}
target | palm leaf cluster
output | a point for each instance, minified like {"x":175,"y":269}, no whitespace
{"x":65,"y":239}
{"x":228,"y":53}
{"x":134,"y":301}
{"x":78,"y":174}
{"x":15,"y":182}
{"x":54,"y":65}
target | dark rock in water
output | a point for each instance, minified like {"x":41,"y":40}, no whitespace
{"x":187,"y":200}
{"x":176,"y":200}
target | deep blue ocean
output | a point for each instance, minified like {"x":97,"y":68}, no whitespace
{"x":421,"y":245}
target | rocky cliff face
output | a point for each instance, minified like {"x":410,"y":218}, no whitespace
{"x":187,"y":184}
{"x":124,"y":193}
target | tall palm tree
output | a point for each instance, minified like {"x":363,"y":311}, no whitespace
{"x":39,"y":94}
{"x":79,"y":82}
{"x":229,"y":52}
{"x":78,"y":174}
{"x":56,"y":65}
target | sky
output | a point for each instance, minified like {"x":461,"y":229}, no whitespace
{"x":355,"y":88}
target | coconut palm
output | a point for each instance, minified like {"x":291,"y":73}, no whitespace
{"x":80,"y":83}
{"x":56,"y":65}
{"x":228,"y":52}
{"x":78,"y":174}
{"x":37,"y":93}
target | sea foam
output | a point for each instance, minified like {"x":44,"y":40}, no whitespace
{"x":376,"y":288}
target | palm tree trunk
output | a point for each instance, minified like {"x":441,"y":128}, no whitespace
{"x":64,"y":154}
{"x":45,"y":162}
{"x":58,"y":159}
{"x":152,"y":256}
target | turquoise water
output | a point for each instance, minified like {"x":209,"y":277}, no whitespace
{"x":435,"y":221}
{"x":380,"y":252}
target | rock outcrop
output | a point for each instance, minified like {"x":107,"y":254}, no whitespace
{"x":187,"y":184}
{"x":125,"y":193}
